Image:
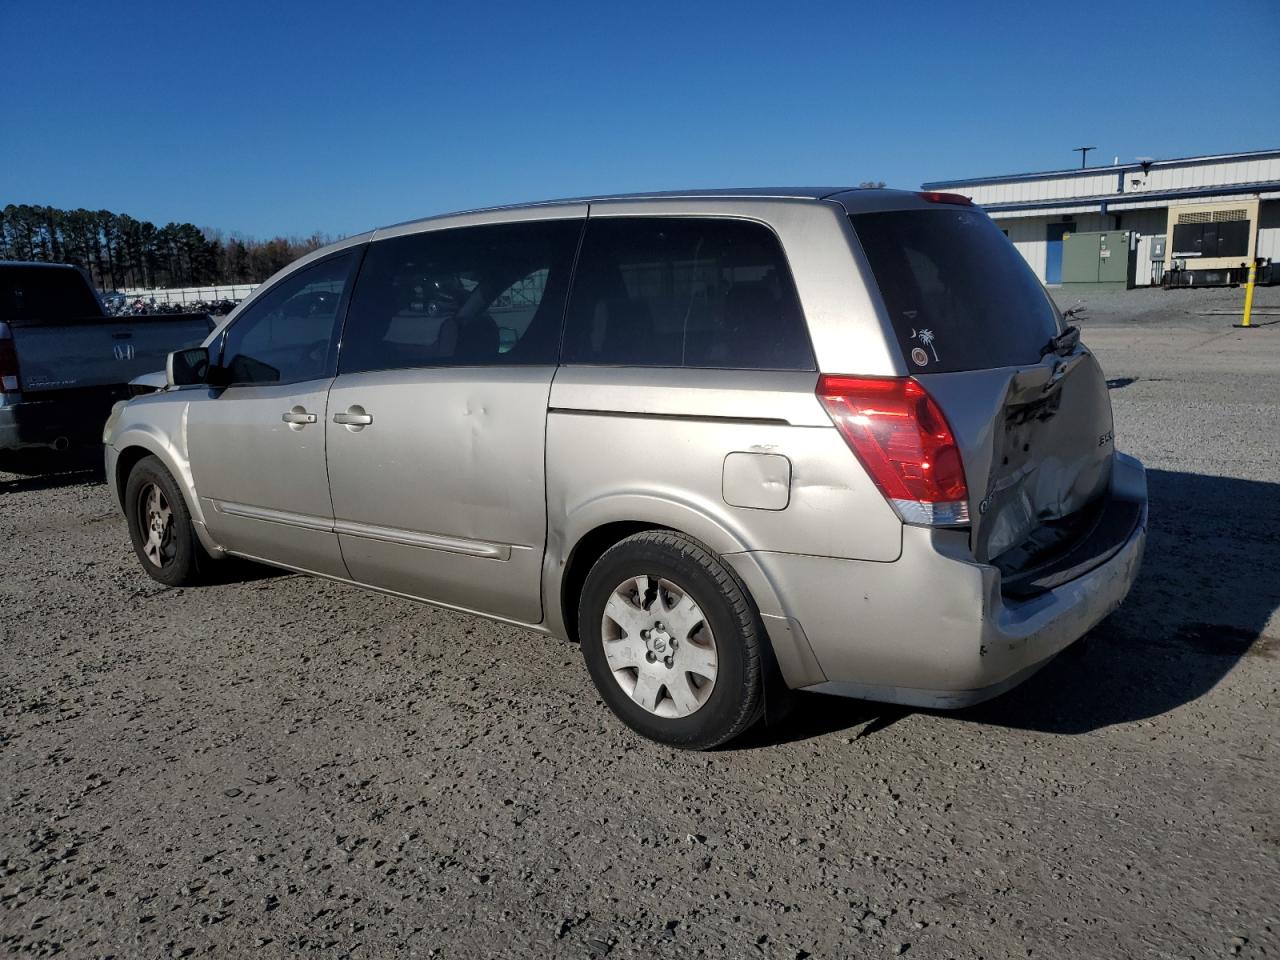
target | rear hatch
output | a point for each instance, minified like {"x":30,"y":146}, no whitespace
{"x":1028,"y":407}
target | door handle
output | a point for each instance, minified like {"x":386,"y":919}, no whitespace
{"x":298,"y":417}
{"x":354,"y":419}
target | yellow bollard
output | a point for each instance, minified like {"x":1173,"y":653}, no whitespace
{"x":1248,"y":293}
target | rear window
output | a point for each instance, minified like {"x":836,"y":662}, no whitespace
{"x":45,"y":293}
{"x":959,"y":295}
{"x":684,"y":292}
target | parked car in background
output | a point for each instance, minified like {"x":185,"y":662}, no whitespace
{"x":64,"y":360}
{"x":841,"y":437}
{"x":114,"y":302}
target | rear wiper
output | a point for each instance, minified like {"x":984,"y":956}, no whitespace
{"x":1063,"y":344}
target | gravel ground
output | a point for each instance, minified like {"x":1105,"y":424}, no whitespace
{"x":282,"y":765}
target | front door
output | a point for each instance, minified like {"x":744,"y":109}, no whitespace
{"x":257,"y":447}
{"x":436,"y":423}
{"x":1054,"y":233}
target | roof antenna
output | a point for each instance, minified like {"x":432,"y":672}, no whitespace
{"x":1084,"y":153}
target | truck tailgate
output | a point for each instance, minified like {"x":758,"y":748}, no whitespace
{"x":100,"y":351}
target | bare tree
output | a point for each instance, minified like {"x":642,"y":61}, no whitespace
{"x":120,"y":251}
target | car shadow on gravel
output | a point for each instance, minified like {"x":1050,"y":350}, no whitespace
{"x":1206,"y":592}
{"x":41,"y":470}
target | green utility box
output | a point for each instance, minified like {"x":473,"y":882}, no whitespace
{"x":1099,"y":261}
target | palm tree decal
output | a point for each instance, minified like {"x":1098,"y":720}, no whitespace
{"x":926,"y":337}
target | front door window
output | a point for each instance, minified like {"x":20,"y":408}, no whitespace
{"x":288,"y":334}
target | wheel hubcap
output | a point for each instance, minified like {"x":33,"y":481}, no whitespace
{"x":156,"y":520}
{"x":659,"y":646}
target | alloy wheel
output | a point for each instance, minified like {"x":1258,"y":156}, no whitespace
{"x":155,"y":518}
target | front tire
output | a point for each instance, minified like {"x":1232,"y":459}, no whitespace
{"x":160,"y":526}
{"x":672,"y":641}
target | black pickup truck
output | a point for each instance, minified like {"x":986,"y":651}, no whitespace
{"x":64,"y":361}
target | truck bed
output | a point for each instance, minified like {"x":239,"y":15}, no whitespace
{"x":79,"y":353}
{"x":69,"y":372}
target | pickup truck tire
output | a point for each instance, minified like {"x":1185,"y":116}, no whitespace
{"x":672,"y":641}
{"x":160,"y":526}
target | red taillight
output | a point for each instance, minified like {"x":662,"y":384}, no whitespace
{"x":903,"y":439}
{"x":8,"y":365}
{"x":934,"y":197}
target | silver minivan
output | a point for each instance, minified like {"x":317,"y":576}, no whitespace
{"x":729,"y":442}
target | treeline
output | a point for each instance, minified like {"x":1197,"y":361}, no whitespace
{"x":121,"y":252}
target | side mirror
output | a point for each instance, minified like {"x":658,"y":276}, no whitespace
{"x":186,"y":367}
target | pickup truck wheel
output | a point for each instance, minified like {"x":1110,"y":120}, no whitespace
{"x":160,"y":526}
{"x":672,"y":641}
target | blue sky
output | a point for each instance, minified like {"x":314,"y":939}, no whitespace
{"x":265,"y":118}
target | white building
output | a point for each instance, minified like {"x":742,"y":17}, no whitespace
{"x":1036,"y":209}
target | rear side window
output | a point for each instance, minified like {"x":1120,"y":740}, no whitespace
{"x":46,"y":294}
{"x":471,"y":296}
{"x":684,"y":292}
{"x":959,"y":295}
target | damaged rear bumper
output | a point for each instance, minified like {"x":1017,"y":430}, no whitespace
{"x":934,"y":628}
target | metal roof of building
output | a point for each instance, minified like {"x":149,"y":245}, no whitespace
{"x":1136,"y":198}
{"x":1094,"y":171}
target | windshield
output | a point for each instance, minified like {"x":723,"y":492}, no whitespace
{"x":959,"y":295}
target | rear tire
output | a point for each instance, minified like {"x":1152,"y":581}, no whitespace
{"x":160,"y":526}
{"x":672,"y":641}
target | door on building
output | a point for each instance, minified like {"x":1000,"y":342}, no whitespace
{"x":1053,"y":250}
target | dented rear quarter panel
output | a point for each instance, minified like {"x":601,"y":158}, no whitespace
{"x":649,"y":445}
